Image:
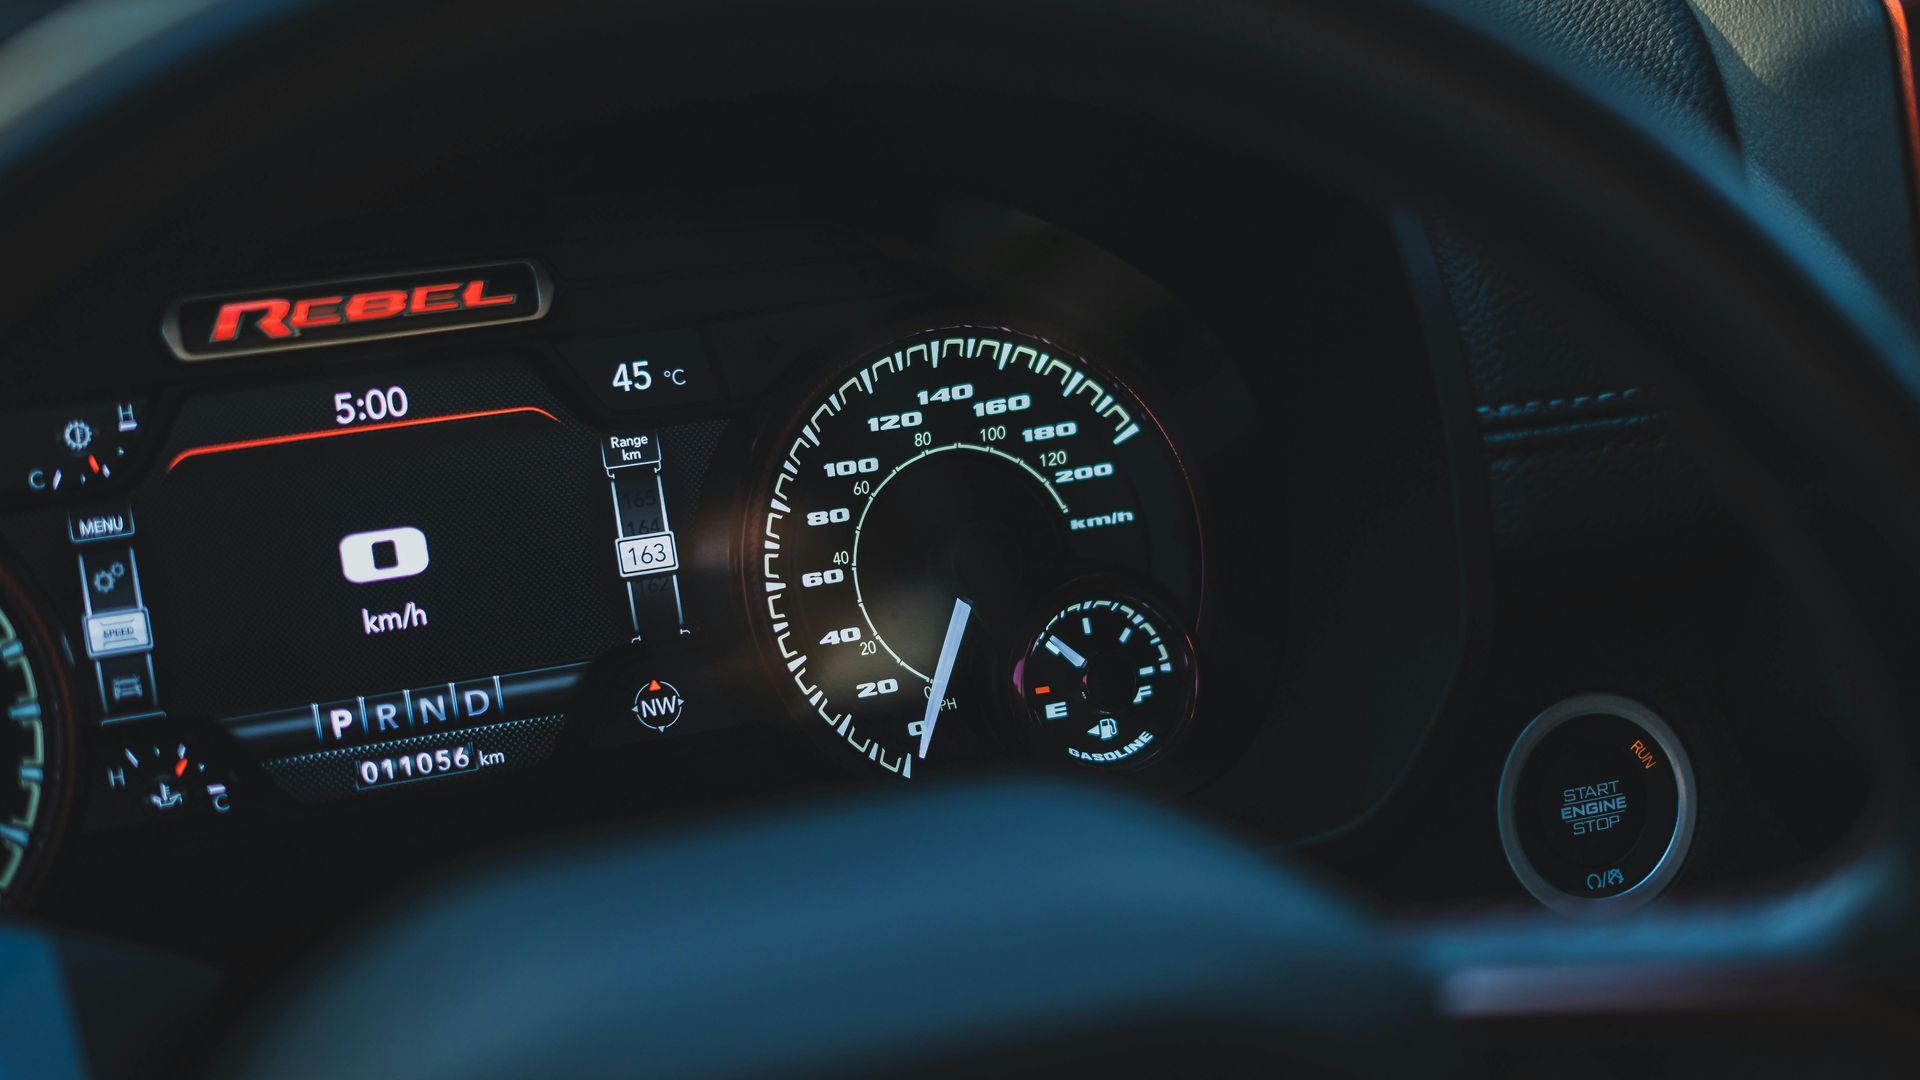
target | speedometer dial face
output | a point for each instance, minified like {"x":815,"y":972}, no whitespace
{"x":924,"y":514}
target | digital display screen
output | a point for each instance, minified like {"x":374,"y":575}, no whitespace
{"x":357,"y":539}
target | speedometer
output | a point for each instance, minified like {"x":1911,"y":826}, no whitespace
{"x":929,"y":511}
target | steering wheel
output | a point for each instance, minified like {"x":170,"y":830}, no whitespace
{"x":965,"y":927}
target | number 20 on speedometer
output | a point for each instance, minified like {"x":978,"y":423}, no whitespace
{"x":934,"y":506}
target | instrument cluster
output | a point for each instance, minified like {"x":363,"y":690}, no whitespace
{"x":623,"y":526}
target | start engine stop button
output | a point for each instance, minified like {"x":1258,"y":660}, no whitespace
{"x":1596,"y":804}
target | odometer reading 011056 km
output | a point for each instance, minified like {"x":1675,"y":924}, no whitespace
{"x":926,"y":513}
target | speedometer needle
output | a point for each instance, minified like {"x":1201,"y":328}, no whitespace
{"x":943,"y":671}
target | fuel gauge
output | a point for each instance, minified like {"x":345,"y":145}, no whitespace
{"x":1107,"y":681}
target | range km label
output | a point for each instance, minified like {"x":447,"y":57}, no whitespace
{"x":356,"y":309}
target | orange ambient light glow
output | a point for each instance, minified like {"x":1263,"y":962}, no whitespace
{"x":334,"y":433}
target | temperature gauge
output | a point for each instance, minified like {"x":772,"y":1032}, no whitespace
{"x":167,"y":778}
{"x":1107,"y":681}
{"x":54,"y":453}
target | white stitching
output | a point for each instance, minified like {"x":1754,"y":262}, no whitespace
{"x":1566,"y":404}
{"x":1518,"y":454}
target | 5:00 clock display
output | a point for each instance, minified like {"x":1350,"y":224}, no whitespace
{"x":369,"y":406}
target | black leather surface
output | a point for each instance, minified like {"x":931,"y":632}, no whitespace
{"x":1573,"y":440}
{"x":1576,"y":446}
{"x":1811,"y":84}
{"x":1651,"y":51}
{"x":1807,"y":91}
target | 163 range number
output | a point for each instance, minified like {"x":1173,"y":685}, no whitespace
{"x":382,"y":772}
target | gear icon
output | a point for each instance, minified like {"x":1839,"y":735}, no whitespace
{"x":105,"y":580}
{"x":78,"y":435}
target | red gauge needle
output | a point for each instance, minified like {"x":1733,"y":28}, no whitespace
{"x":180,"y":767}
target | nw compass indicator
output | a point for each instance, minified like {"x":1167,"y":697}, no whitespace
{"x":658,"y":705}
{"x":1107,"y":681}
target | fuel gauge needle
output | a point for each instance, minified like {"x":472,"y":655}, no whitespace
{"x":943,"y":671}
{"x":1066,"y":652}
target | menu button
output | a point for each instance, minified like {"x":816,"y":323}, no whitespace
{"x":113,"y":524}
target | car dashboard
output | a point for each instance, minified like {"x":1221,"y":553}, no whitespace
{"x":681,"y":507}
{"x":575,"y":483}
{"x":364,"y":565}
